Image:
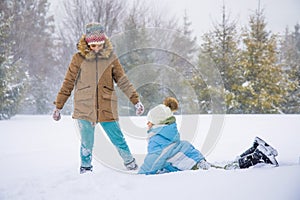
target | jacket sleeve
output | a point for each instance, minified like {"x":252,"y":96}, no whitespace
{"x":123,"y":82}
{"x":69,"y":82}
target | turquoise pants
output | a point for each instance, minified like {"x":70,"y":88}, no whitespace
{"x":114,"y":133}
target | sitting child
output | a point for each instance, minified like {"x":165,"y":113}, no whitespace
{"x":166,"y":152}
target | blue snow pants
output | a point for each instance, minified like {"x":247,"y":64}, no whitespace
{"x":114,"y":133}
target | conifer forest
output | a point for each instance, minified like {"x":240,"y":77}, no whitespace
{"x":230,"y":69}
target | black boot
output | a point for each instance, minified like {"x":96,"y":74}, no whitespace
{"x":260,"y":155}
{"x":259,"y":141}
{"x":83,"y":170}
{"x":250,"y":159}
{"x":131,"y":165}
{"x":250,"y":150}
{"x":267,"y":155}
{"x":269,"y":148}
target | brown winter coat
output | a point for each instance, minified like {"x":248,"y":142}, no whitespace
{"x":93,"y":76}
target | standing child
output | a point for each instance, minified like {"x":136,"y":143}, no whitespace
{"x":166,"y":152}
{"x":91,"y":74}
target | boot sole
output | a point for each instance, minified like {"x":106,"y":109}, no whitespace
{"x":269,"y":147}
{"x":271,"y":157}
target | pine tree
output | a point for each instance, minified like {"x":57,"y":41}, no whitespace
{"x":290,"y":58}
{"x":12,"y":78}
{"x":4,"y":107}
{"x":217,"y":61}
{"x":183,"y":59}
{"x":131,"y":46}
{"x":263,"y":86}
{"x":134,"y":40}
{"x":33,"y":47}
{"x":185,"y":45}
{"x":184,"y":41}
{"x":155,"y":51}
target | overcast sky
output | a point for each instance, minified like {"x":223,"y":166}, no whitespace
{"x":279,"y":13}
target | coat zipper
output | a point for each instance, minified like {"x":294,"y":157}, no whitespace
{"x":97,"y":104}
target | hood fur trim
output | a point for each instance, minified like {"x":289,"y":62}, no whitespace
{"x":86,"y":51}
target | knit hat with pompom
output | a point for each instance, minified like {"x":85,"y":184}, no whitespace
{"x":159,"y":114}
{"x":94,"y":33}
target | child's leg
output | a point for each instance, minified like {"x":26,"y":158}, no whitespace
{"x":87,"y":142}
{"x":260,"y":151}
{"x":115,"y":135}
{"x":249,"y":160}
{"x":250,"y":150}
{"x":261,"y":154}
{"x":259,"y":141}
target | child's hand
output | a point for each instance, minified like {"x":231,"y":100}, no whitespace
{"x":56,"y":114}
{"x":139,"y":108}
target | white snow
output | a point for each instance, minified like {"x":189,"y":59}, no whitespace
{"x":39,"y":159}
{"x":246,"y":84}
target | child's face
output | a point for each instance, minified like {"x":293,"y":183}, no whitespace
{"x":96,"y":47}
{"x":149,"y":124}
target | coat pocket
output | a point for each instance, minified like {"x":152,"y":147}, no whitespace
{"x":109,"y":103}
{"x":84,"y":100}
{"x":109,"y":94}
{"x":83,"y":88}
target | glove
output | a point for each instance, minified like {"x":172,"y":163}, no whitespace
{"x":56,"y":114}
{"x":203,"y":164}
{"x":139,"y":108}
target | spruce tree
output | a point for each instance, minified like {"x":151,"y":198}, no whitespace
{"x":290,"y":59}
{"x":31,"y":35}
{"x":183,"y":60}
{"x":263,"y":85}
{"x":218,"y":58}
{"x":12,"y":76}
{"x":4,"y":107}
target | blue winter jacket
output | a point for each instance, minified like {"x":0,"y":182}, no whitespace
{"x":166,"y":153}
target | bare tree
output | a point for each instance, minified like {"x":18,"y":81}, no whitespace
{"x":77,"y":13}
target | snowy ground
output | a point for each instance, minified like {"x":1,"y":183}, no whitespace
{"x":39,"y":159}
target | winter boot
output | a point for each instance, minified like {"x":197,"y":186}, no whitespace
{"x":262,"y":154}
{"x":249,"y":151}
{"x":83,"y":170}
{"x":267,"y":154}
{"x":250,"y":159}
{"x":131,"y":165}
{"x":258,"y":141}
{"x":266,"y":145}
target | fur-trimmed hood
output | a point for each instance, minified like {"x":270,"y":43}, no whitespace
{"x":87,"y":53}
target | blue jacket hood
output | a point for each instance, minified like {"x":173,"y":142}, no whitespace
{"x":162,"y":136}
